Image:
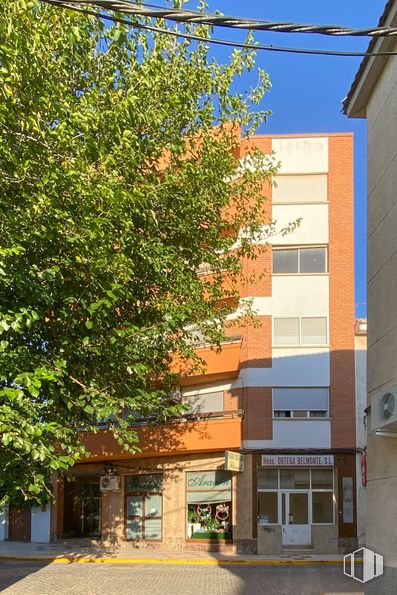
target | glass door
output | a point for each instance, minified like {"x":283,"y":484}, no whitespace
{"x":295,"y":518}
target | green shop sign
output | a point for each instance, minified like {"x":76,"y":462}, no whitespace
{"x":151,"y":482}
{"x":209,"y":480}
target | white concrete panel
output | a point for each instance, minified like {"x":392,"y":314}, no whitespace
{"x":262,"y":306}
{"x":313,"y":228}
{"x":305,"y":295}
{"x":302,"y":366}
{"x":302,"y":155}
{"x":40,"y":528}
{"x":302,"y":188}
{"x":4,"y":524}
{"x":296,"y":433}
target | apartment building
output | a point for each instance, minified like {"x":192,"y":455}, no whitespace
{"x":267,"y":461}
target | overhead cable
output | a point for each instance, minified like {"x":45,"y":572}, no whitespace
{"x":211,"y":40}
{"x":219,"y":20}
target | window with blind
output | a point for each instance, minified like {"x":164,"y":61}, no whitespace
{"x":291,"y":188}
{"x":301,"y":402}
{"x":205,"y":402}
{"x":300,"y":330}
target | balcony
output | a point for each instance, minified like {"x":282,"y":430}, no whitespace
{"x":195,"y":433}
{"x":217,"y":365}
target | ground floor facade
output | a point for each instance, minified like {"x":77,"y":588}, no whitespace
{"x":279,"y":501}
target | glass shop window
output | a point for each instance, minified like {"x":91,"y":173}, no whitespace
{"x":209,"y":505}
{"x":144,"y":507}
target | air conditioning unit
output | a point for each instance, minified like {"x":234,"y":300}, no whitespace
{"x":109,"y":483}
{"x":384,"y":409}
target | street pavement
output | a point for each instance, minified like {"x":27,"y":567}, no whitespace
{"x":35,"y":578}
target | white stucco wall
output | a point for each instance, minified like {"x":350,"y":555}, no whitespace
{"x":304,"y":295}
{"x":300,"y":366}
{"x":382,"y":304}
{"x":313,"y":228}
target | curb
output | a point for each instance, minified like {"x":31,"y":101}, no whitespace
{"x":91,"y":560}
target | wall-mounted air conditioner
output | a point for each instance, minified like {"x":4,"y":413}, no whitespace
{"x":109,"y":483}
{"x":384,"y":409}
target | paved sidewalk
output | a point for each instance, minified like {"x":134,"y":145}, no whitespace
{"x":41,"y":578}
{"x":69,"y":551}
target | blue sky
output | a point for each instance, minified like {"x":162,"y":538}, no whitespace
{"x":307,"y":91}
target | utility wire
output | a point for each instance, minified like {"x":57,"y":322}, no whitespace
{"x":219,"y":20}
{"x":229,"y":43}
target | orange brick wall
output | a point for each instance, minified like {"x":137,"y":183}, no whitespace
{"x":341,"y":267}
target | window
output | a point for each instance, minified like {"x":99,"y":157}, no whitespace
{"x":300,"y":402}
{"x":268,"y":507}
{"x":205,"y":402}
{"x":323,"y":507}
{"x":294,"y":479}
{"x":316,"y":505}
{"x":143,"y":507}
{"x":300,"y":188}
{"x":299,"y":260}
{"x":209,"y":504}
{"x":301,"y":330}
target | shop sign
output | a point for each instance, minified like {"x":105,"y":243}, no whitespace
{"x":208,"y":486}
{"x":234,"y":461}
{"x":293,"y":460}
{"x":209,"y":480}
{"x":151,"y":482}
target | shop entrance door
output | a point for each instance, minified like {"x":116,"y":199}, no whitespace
{"x":90,"y":510}
{"x":295,"y":518}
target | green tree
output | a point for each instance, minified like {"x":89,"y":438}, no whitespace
{"x":115,"y":188}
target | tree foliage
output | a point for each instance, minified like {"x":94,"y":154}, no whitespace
{"x":115,"y":187}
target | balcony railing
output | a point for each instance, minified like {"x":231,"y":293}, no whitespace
{"x":217,"y":365}
{"x":190,"y":433}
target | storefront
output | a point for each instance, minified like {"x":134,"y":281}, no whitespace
{"x":305,"y":501}
{"x":184,"y":502}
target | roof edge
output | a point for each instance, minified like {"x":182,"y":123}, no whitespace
{"x":370,"y":69}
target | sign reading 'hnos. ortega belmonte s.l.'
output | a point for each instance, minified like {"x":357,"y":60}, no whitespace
{"x":293,"y":460}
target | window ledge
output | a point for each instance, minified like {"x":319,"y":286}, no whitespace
{"x":301,"y":418}
{"x":301,"y":202}
{"x":300,"y":274}
{"x":310,"y":345}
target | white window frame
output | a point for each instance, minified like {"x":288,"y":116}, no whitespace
{"x":308,"y":490}
{"x":300,"y":344}
{"x":326,"y":417}
{"x":300,"y":248}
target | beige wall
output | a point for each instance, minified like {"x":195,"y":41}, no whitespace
{"x":382,"y":305}
{"x":361,"y":404}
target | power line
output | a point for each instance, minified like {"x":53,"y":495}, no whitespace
{"x":212,"y":40}
{"x":219,"y":20}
